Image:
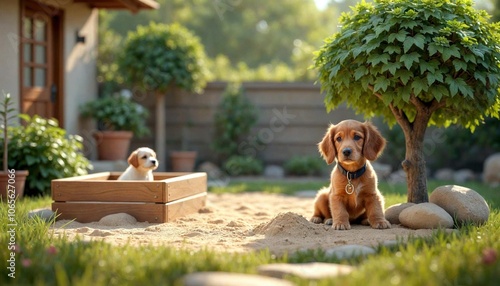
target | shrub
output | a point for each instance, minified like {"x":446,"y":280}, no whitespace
{"x":46,"y":151}
{"x":117,"y":113}
{"x":243,"y":165}
{"x":234,"y":119}
{"x":304,"y":166}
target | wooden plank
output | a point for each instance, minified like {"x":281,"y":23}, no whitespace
{"x":158,"y":176}
{"x":109,"y":191}
{"x":185,"y":186}
{"x":94,"y":211}
{"x":185,"y":206}
{"x":154,"y":213}
{"x":89,"y":177}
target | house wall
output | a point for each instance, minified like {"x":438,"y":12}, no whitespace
{"x":9,"y":52}
{"x":79,"y":59}
{"x":80,"y":66}
{"x":292,"y":120}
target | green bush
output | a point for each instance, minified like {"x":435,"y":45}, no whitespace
{"x":243,"y":165}
{"x":46,"y":151}
{"x":117,"y":113}
{"x":304,"y":166}
{"x":234,"y":119}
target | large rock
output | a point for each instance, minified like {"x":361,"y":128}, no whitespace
{"x":392,"y":212}
{"x":491,"y":170}
{"x":463,"y":204}
{"x":425,"y":216}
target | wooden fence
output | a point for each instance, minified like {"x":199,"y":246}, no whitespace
{"x":292,"y":119}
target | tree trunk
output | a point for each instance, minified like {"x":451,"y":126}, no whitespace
{"x":414,"y":163}
{"x":160,"y":137}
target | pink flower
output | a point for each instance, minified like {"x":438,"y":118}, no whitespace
{"x":26,"y":262}
{"x":17,"y":248}
{"x":489,"y":256}
{"x":52,"y":250}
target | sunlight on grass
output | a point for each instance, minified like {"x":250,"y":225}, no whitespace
{"x":467,"y":256}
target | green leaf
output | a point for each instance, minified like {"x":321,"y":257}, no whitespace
{"x":391,"y":67}
{"x":359,"y":72}
{"x":408,"y":43}
{"x":433,"y":77}
{"x":459,"y":65}
{"x":404,"y":75}
{"x":400,"y":36}
{"x":377,"y":58}
{"x":381,"y":83}
{"x":448,"y":52}
{"x":419,"y":85}
{"x":409,"y":59}
{"x":391,"y":49}
{"x":334,"y":72}
{"x":430,"y":66}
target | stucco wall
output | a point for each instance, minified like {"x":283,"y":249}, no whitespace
{"x":9,"y":52}
{"x":80,"y":66}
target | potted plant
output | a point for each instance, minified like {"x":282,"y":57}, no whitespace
{"x":183,"y":160}
{"x":119,"y":119}
{"x":158,"y":58}
{"x":11,"y":180}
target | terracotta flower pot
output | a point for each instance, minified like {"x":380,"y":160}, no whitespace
{"x":183,"y":161}
{"x":113,"y":145}
{"x":16,"y":180}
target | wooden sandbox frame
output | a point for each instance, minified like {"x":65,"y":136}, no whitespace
{"x":89,"y":198}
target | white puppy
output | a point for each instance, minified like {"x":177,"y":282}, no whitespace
{"x":142,"y":163}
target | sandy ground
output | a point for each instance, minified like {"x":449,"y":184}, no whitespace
{"x":238,"y":223}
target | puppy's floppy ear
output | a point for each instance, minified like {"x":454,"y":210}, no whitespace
{"x":326,"y":147}
{"x":133,"y":159}
{"x":374,"y":142}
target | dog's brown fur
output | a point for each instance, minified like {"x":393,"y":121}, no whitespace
{"x":366,"y":205}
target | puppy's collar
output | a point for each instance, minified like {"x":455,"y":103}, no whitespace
{"x":352,"y":175}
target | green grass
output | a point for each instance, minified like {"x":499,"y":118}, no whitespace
{"x":443,"y":259}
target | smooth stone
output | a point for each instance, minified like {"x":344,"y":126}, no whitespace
{"x":349,"y":251}
{"x":231,"y":279}
{"x":425,"y":216}
{"x":463,"y":204}
{"x":313,"y":271}
{"x":392,"y":212}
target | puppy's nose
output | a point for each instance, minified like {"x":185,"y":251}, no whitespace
{"x":347,"y":152}
{"x":154,"y":161}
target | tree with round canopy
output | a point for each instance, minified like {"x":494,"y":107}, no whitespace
{"x":158,"y":57}
{"x":415,"y":63}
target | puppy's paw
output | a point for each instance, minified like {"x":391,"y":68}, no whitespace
{"x":341,"y":226}
{"x":329,"y":221}
{"x":316,"y":219}
{"x":381,"y":224}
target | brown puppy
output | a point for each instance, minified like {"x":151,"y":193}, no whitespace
{"x":353,"y":195}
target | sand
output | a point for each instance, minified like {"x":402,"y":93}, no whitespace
{"x":236,"y":223}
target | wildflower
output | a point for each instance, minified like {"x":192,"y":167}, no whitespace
{"x":489,"y":256}
{"x":52,"y":250}
{"x":26,"y":262}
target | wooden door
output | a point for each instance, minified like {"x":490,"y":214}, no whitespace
{"x":40,"y":49}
